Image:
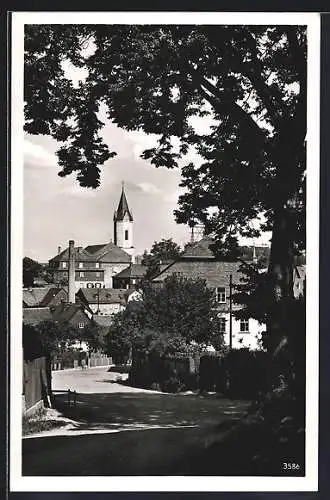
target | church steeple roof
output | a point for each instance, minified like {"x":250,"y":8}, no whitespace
{"x":123,"y":208}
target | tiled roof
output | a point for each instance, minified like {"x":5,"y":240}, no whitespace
{"x":64,"y":312}
{"x":215,"y":273}
{"x":199,"y":250}
{"x":112,"y":253}
{"x":35,"y":315}
{"x":123,"y":209}
{"x":93,"y":249}
{"x":106,"y":295}
{"x":50,"y":295}
{"x":80,"y":255}
{"x":33,"y":296}
{"x":133,"y":271}
{"x":107,"y":252}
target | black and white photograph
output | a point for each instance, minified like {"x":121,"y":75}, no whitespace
{"x":164,"y":251}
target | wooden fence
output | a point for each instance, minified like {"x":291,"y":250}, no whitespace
{"x":36,"y":382}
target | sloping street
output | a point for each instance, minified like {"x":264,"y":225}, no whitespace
{"x":115,"y":429}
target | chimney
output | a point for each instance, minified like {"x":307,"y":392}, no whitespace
{"x":72,"y":288}
{"x":59,"y":249}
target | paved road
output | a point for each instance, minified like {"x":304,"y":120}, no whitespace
{"x":92,"y":380}
{"x":138,"y":432}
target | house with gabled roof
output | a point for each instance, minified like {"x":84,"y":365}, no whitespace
{"x":44,"y":297}
{"x":129,"y":277}
{"x":76,"y":315}
{"x":104,"y":301}
{"x":198,"y":261}
{"x":133,"y":276}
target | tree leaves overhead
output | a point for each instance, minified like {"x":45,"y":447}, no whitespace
{"x":250,"y":79}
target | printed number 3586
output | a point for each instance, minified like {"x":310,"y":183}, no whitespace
{"x":290,"y":466}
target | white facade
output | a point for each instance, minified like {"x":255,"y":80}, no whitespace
{"x":135,"y":295}
{"x":109,"y":269}
{"x":107,"y":309}
{"x":244,"y":335}
{"x":124,"y":235}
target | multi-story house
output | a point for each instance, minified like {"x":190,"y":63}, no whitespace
{"x":199,"y":262}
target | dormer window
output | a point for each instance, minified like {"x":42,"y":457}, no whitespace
{"x":63,"y":265}
{"x":97,"y":265}
{"x":126,"y":234}
{"x":81,"y":265}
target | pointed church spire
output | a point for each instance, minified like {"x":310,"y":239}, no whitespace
{"x":123,"y":207}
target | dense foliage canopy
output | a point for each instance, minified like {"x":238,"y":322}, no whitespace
{"x":249,"y":81}
{"x":168,"y":319}
{"x":31,"y":269}
{"x":163,"y":251}
{"x":53,"y":338}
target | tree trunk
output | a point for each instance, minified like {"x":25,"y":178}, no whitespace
{"x":280,"y":274}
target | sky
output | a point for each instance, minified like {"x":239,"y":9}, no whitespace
{"x":57,"y":209}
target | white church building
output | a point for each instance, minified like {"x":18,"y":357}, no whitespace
{"x":95,"y":265}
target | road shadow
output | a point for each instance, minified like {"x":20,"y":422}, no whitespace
{"x":120,"y":410}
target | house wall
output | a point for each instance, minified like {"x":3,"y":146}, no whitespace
{"x":86,"y":284}
{"x":110,"y":270}
{"x":217,"y":274}
{"x":79,"y":318}
{"x":240,"y":339}
{"x":104,"y":280}
{"x":107,"y":309}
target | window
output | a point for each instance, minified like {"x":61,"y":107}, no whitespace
{"x":81,"y":325}
{"x":97,"y":265}
{"x":126,"y":234}
{"x":81,"y":265}
{"x":81,"y":274}
{"x":220,"y":294}
{"x":97,"y":285}
{"x":65,"y":274}
{"x":244,"y":326}
{"x":222,"y":325}
{"x":63,"y":265}
{"x":90,"y":285}
{"x":98,"y":274}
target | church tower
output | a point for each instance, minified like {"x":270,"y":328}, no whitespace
{"x":123,"y":226}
